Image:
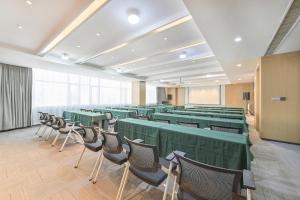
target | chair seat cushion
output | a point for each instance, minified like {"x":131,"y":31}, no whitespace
{"x":49,"y":124}
{"x":97,"y":146}
{"x":119,"y":158}
{"x":43,"y":122}
{"x":182,"y":195}
{"x":152,"y":178}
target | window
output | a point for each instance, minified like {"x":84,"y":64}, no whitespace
{"x":55,"y":92}
{"x":151,"y":96}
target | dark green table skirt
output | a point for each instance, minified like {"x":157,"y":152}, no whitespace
{"x":203,"y":122}
{"x":86,"y":118}
{"x":211,"y":147}
{"x":121,"y":114}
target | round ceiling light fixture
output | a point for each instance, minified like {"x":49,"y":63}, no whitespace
{"x":182,"y":55}
{"x":133,"y":16}
{"x":238,"y":39}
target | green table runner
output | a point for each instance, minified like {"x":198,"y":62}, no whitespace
{"x":203,"y":122}
{"x":215,"y":110}
{"x":211,"y":114}
{"x":86,"y":118}
{"x":212,"y":147}
{"x":120,"y":113}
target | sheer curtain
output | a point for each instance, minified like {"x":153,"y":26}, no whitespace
{"x":54,"y":92}
{"x":151,"y":94}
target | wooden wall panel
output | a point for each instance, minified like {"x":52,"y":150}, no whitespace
{"x":234,"y":94}
{"x":280,"y":76}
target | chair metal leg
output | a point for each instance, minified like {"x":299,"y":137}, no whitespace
{"x":55,"y":139}
{"x":38,"y":129}
{"x":123,"y":182}
{"x":47,"y":138}
{"x":168,"y":181}
{"x":249,"y":196}
{"x":174,"y":188}
{"x":63,"y":145}
{"x":94,"y":168}
{"x":77,"y":164}
{"x":99,"y":167}
{"x":43,"y":132}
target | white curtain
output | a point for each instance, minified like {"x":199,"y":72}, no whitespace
{"x":151,"y":94}
{"x":54,"y":92}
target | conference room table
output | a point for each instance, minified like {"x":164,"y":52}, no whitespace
{"x":121,"y":114}
{"x":140,"y":111}
{"x":215,"y":110}
{"x":203,"y":122}
{"x":86,"y":118}
{"x":216,"y":148}
{"x":210,"y":114}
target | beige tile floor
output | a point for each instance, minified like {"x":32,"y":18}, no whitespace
{"x":31,"y":169}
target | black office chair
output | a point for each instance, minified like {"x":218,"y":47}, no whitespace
{"x":111,"y":120}
{"x":42,"y":119}
{"x":145,"y":164}
{"x":113,"y":150}
{"x":201,"y":181}
{"x":92,"y":141}
{"x":166,"y":121}
{"x":143,"y":117}
{"x":193,"y":125}
{"x":225,"y":129}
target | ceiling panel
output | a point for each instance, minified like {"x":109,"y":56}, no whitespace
{"x":111,"y":22}
{"x":40,"y":21}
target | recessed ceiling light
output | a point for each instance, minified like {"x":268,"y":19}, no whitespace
{"x":182,"y":55}
{"x":78,"y":46}
{"x":165,"y":38}
{"x":133,"y":18}
{"x":29,"y":2}
{"x":239,"y":79}
{"x":98,"y":34}
{"x":238,"y":39}
{"x":239,"y":65}
{"x":19,"y":27}
{"x":65,"y":56}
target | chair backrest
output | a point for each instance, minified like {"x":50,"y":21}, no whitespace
{"x":52,"y":119}
{"x":194,"y":125}
{"x":207,"y":182}
{"x":47,"y":117}
{"x":82,"y":109}
{"x":162,"y":121}
{"x":42,"y":115}
{"x":61,"y":122}
{"x":225,"y":129}
{"x":144,"y":157}
{"x":108,"y":115}
{"x":90,"y":135}
{"x":112,"y":142}
{"x":89,"y":110}
{"x":143,"y":117}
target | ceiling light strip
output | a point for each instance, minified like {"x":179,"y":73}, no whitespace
{"x":174,"y":23}
{"x":88,"y":12}
{"x":130,"y":62}
{"x":188,"y":46}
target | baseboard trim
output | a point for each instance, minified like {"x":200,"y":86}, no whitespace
{"x":280,"y":141}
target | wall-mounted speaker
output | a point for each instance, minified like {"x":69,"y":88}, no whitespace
{"x":169,"y":97}
{"x":246,"y":96}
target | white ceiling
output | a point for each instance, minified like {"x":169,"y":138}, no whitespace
{"x":147,"y":54}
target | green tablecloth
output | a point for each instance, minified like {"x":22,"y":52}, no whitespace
{"x":86,"y":118}
{"x":120,"y":113}
{"x":140,"y":111}
{"x":210,"y":114}
{"x":203,"y":122}
{"x":215,"y":110}
{"x":212,"y":147}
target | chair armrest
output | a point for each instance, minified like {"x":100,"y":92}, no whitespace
{"x":138,"y":141}
{"x":248,"y":180}
{"x":171,"y":156}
